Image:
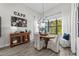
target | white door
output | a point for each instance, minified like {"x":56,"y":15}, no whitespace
{"x":73,"y":28}
{"x":78,"y":30}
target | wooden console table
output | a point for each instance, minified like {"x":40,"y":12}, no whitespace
{"x":19,"y":38}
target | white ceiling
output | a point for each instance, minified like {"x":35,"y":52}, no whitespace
{"x":38,"y":7}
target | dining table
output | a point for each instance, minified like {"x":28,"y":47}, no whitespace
{"x":46,"y":38}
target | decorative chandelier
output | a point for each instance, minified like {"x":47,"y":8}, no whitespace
{"x":43,"y":18}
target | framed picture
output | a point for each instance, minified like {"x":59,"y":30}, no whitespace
{"x":18,"y":22}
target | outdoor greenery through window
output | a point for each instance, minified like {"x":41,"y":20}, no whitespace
{"x":54,"y":26}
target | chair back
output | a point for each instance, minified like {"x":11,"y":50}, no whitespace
{"x":36,"y":36}
{"x":58,"y":37}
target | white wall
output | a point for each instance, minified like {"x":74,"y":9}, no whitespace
{"x":6,"y":11}
{"x":66,"y":15}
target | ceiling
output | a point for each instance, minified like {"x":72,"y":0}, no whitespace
{"x":38,"y":7}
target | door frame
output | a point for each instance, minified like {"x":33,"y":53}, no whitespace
{"x":76,"y":29}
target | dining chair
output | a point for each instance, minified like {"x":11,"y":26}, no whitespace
{"x":53,"y":44}
{"x":38,"y":43}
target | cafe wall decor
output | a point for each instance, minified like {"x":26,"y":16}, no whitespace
{"x":19,"y":14}
{"x":18,"y":22}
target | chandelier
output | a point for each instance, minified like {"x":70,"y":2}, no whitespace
{"x":43,"y":17}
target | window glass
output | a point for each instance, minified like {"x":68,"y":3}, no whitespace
{"x":54,"y":26}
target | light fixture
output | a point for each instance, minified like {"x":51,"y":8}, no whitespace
{"x":41,"y":21}
{"x":43,"y":18}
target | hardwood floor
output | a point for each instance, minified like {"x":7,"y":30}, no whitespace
{"x":29,"y":50}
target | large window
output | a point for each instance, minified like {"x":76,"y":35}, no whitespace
{"x":54,"y":26}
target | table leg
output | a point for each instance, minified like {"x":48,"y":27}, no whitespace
{"x":46,"y":42}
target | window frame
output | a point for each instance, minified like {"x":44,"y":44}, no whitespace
{"x":57,"y":26}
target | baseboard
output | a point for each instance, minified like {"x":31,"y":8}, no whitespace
{"x":4,"y":45}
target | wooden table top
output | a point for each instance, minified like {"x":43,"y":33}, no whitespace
{"x":48,"y":36}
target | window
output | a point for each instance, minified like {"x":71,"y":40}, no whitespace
{"x":54,"y":26}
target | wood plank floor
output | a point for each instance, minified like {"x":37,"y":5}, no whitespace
{"x":29,"y":50}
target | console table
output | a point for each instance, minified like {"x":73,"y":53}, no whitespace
{"x":19,"y":38}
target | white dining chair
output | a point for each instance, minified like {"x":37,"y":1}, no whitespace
{"x":53,"y":44}
{"x":38,"y":43}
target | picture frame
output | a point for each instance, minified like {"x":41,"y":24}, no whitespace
{"x":18,"y":22}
